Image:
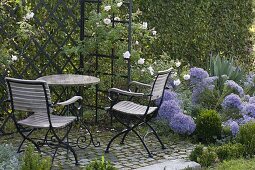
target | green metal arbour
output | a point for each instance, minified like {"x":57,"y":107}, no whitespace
{"x":98,"y":56}
{"x":45,"y":56}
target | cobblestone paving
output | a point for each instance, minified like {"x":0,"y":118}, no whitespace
{"x":131,"y":155}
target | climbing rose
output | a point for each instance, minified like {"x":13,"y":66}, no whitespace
{"x":107,"y":8}
{"x":107,"y":21}
{"x":186,"y":77}
{"x":119,"y":4}
{"x":141,"y":61}
{"x":126,"y":54}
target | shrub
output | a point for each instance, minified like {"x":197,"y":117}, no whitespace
{"x":9,"y":159}
{"x":197,"y":152}
{"x":32,"y":160}
{"x":229,"y":151}
{"x":207,"y":158}
{"x":246,"y":137}
{"x":100,"y":165}
{"x":208,"y":125}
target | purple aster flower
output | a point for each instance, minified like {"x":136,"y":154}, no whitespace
{"x":199,"y":88}
{"x":168,"y":95}
{"x":168,"y":109}
{"x":197,"y":75}
{"x":182,"y":124}
{"x":234,"y":128}
{"x":234,"y":86}
{"x":232,"y":101}
{"x":245,"y":119}
{"x":249,"y":109}
{"x":252,"y":100}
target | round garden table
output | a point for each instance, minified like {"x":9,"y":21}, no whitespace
{"x":67,"y":80}
{"x":70,"y":80}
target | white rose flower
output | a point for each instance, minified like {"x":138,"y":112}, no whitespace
{"x":107,"y":21}
{"x":29,"y":15}
{"x":107,"y":8}
{"x":145,"y":25}
{"x":151,"y":70}
{"x":136,"y":42}
{"x":14,"y":58}
{"x":117,"y":19}
{"x":178,"y":64}
{"x":126,"y":54}
{"x":119,"y":4}
{"x":177,"y":82}
{"x":186,"y":77}
{"x":154,"y":32}
{"x":141,"y":61}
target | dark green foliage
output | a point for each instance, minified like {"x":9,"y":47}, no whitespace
{"x":246,"y":136}
{"x":208,"y":99}
{"x":34,"y":161}
{"x":207,"y":158}
{"x":196,"y":153}
{"x":229,"y":151}
{"x":190,"y":30}
{"x":208,"y":125}
{"x":100,"y":165}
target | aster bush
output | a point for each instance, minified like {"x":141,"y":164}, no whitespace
{"x":232,"y":101}
{"x":168,"y":95}
{"x":168,"y":109}
{"x":197,"y":75}
{"x":231,"y":86}
{"x":182,"y":124}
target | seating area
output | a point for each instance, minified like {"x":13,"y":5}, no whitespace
{"x":125,"y":84}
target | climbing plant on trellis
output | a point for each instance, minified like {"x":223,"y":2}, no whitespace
{"x":39,"y":41}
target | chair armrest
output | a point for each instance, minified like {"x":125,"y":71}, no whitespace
{"x":139,"y":83}
{"x":70,"y":101}
{"x":124,"y":92}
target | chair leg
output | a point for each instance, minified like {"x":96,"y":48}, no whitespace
{"x":124,"y":136}
{"x":24,"y":139}
{"x":155,"y":133}
{"x":109,"y":144}
{"x":66,"y":144}
{"x":150,"y":155}
{"x":54,"y":155}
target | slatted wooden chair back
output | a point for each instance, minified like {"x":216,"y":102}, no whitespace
{"x":159,"y":84}
{"x":29,"y":95}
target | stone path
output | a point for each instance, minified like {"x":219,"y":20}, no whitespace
{"x":178,"y":164}
{"x":131,"y":155}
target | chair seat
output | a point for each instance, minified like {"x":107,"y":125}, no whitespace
{"x":41,"y":121}
{"x":132,"y":108}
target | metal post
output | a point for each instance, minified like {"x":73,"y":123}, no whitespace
{"x":82,"y":34}
{"x":129,"y":36}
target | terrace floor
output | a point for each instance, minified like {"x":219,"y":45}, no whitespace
{"x":131,"y":155}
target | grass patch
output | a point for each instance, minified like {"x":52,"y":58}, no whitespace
{"x":236,"y":165}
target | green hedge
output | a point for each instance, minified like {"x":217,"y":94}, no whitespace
{"x":190,"y":30}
